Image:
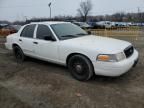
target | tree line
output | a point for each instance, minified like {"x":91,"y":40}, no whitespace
{"x":117,"y":17}
{"x":84,"y":16}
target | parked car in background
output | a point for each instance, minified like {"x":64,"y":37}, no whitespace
{"x":17,"y":27}
{"x":3,"y":25}
{"x":122,"y":24}
{"x":67,"y":44}
{"x":10,"y":29}
{"x":112,"y":24}
{"x":93,"y":25}
{"x":104,"y":24}
{"x":83,"y":25}
{"x":70,"y":21}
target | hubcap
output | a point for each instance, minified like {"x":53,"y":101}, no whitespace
{"x":79,"y":68}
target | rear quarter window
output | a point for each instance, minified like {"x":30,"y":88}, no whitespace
{"x":28,"y":31}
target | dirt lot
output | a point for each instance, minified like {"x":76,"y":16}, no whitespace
{"x":38,"y":84}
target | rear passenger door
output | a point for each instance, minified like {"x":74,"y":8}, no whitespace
{"x":26,"y":39}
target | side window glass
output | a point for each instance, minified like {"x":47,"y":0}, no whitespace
{"x":43,"y":31}
{"x":28,"y":31}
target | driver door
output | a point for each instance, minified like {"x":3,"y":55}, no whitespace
{"x":45,"y":44}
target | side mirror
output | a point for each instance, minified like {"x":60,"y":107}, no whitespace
{"x":49,"y":38}
{"x":89,"y":32}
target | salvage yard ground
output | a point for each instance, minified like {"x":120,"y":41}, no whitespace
{"x":38,"y":84}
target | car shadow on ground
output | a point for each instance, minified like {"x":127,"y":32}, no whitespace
{"x":64,"y":71}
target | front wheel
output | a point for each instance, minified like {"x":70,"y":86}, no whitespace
{"x":80,"y":67}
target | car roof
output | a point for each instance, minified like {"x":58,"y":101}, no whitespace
{"x":49,"y":22}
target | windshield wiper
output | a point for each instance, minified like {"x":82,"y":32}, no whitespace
{"x":80,"y":34}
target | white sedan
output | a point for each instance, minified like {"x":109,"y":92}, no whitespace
{"x":67,"y":44}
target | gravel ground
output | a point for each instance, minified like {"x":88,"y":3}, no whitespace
{"x":38,"y":84}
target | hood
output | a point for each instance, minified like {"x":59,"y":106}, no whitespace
{"x":98,"y":43}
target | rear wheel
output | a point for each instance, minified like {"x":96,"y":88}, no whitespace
{"x":18,"y":53}
{"x":80,"y":67}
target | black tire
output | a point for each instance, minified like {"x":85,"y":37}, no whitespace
{"x":18,"y":53}
{"x":80,"y":67}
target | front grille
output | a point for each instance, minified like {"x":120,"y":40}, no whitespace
{"x":129,"y":51}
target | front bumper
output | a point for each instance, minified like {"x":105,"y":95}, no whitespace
{"x":115,"y":68}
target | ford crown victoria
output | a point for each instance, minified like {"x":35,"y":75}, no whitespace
{"x":67,"y":44}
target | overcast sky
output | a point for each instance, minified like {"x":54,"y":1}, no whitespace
{"x":20,"y":9}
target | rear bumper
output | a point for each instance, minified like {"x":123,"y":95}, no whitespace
{"x":8,"y":46}
{"x":115,"y":68}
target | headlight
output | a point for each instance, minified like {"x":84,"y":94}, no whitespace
{"x":111,"y":57}
{"x":120,"y":56}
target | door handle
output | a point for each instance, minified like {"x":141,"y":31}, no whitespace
{"x":20,"y":40}
{"x":35,"y":42}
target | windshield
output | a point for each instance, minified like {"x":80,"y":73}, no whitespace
{"x":67,"y":31}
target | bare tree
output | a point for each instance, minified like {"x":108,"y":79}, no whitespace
{"x":85,"y":8}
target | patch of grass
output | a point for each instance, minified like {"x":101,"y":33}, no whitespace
{"x":132,"y":31}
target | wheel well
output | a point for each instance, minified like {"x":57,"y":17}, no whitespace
{"x":13,"y":45}
{"x":69,"y":56}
